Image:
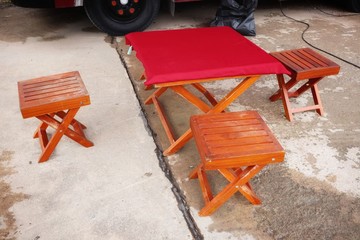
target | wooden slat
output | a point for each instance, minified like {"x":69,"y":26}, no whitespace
{"x":238,"y":151}
{"x":238,"y":142}
{"x":311,"y":64}
{"x":222,"y":140}
{"x":319,"y":57}
{"x":231,"y":115}
{"x":313,"y":59}
{"x":305,"y":63}
{"x":290,"y":64}
{"x":52,"y":94}
{"x":244,"y":128}
{"x":230,"y":123}
{"x":297,"y":60}
{"x":47,"y":79}
{"x":28,"y":86}
{"x":50,"y":88}
{"x":234,"y":135}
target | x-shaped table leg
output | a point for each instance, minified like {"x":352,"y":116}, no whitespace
{"x":218,"y":108}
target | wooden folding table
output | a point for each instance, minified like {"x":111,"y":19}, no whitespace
{"x":175,"y":58}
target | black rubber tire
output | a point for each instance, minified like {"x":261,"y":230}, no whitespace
{"x":354,"y":5}
{"x":104,"y":18}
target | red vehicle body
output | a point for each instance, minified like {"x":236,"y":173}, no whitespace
{"x":118,"y":17}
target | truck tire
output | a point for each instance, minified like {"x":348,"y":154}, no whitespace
{"x":119,"y":17}
{"x":354,"y":5}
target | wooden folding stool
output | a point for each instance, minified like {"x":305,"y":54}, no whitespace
{"x":304,"y":64}
{"x":55,"y":100}
{"x":238,"y":145}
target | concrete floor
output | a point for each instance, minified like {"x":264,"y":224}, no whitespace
{"x":104,"y":192}
{"x":314,"y":194}
{"x":114,"y":190}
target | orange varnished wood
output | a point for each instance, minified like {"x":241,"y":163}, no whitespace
{"x":238,"y":145}
{"x":143,"y":76}
{"x":191,"y":81}
{"x":191,"y":98}
{"x":47,"y":98}
{"x":304,"y":64}
{"x":157,"y":94}
{"x":210,"y":97}
{"x":164,"y":121}
{"x":52,"y":94}
{"x":214,"y":106}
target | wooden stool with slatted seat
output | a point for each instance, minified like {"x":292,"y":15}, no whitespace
{"x":304,"y":64}
{"x":55,"y":100}
{"x":238,"y":145}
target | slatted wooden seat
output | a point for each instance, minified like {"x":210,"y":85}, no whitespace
{"x":238,"y":145}
{"x":55,"y":100}
{"x":304,"y":64}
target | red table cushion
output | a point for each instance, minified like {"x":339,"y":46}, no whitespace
{"x":200,"y":53}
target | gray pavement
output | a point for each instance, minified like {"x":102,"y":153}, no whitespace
{"x":315,"y":193}
{"x":114,"y":190}
{"x":117,"y":190}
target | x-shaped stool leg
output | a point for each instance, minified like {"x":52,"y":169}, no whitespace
{"x":239,"y":181}
{"x":61,"y":128}
{"x":284,"y":94}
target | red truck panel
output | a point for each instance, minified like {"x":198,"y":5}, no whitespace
{"x":64,"y":3}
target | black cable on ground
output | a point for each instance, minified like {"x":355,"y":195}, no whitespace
{"x":303,"y":38}
{"x":336,"y":15}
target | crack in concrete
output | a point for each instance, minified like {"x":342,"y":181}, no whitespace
{"x":179,"y":196}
